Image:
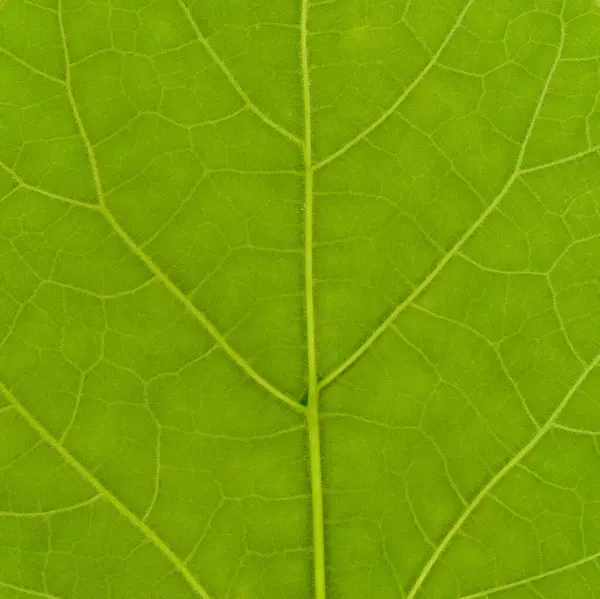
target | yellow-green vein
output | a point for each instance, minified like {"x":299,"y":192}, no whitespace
{"x":233,"y":81}
{"x":312,"y":411}
{"x":522,"y":453}
{"x":146,"y":260}
{"x":407,"y":91}
{"x":455,"y":249}
{"x":134,"y":520}
{"x":533,"y":578}
{"x":199,"y":315}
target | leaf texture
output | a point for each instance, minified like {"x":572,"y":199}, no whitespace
{"x":299,"y":299}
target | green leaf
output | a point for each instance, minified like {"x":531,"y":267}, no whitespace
{"x":299,"y":299}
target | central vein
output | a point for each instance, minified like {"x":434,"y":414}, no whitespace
{"x":312,"y":412}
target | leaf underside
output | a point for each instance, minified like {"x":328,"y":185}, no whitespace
{"x":299,"y":299}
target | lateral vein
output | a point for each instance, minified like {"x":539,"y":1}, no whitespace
{"x":147,"y":261}
{"x":533,"y":578}
{"x":455,"y":249}
{"x":417,"y":291}
{"x":520,"y":455}
{"x":30,"y":67}
{"x":541,"y":432}
{"x":50,"y":440}
{"x":407,"y":91}
{"x":65,"y":200}
{"x":18,"y":589}
{"x":198,"y":314}
{"x":234,"y":82}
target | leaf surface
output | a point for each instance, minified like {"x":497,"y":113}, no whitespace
{"x":299,"y":299}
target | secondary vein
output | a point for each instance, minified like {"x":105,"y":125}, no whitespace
{"x":407,"y":91}
{"x":146,"y":260}
{"x":233,"y":81}
{"x":485,"y":594}
{"x":499,"y":476}
{"x":455,"y":249}
{"x":198,"y":314}
{"x":541,"y":432}
{"x":103,"y":491}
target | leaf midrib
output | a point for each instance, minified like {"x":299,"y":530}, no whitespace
{"x":312,"y":408}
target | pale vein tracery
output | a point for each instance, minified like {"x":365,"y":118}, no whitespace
{"x":315,"y":387}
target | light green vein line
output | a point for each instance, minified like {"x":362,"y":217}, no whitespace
{"x":334,"y":374}
{"x":31,"y":592}
{"x":49,"y":194}
{"x":308,"y":215}
{"x":316,"y":483}
{"x":492,"y":346}
{"x":30,"y":67}
{"x":408,"y":90}
{"x":522,"y":453}
{"x":312,"y":410}
{"x":53,"y":512}
{"x":234,"y":82}
{"x":577,"y":431}
{"x":534,"y":578}
{"x":148,"y":262}
{"x":560,"y":161}
{"x":191,"y":308}
{"x":78,"y":121}
{"x":454,"y":250}
{"x":105,"y":493}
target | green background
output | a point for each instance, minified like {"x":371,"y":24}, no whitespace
{"x":299,"y":298}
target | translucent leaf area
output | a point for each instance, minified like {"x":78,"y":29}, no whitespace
{"x":299,"y":299}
